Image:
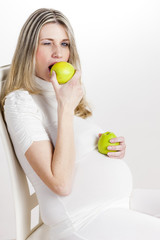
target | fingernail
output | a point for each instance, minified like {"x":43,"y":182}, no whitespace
{"x":109,"y":148}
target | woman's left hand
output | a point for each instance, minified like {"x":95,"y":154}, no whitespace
{"x":120,"y":149}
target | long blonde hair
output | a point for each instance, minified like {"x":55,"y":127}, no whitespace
{"x":22,"y":70}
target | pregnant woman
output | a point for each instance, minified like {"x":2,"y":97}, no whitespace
{"x":82,"y":194}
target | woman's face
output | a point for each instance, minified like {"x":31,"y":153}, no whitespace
{"x":53,"y":46}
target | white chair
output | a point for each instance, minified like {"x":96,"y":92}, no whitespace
{"x":24,"y":202}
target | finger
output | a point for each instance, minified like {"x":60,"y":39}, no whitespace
{"x":116,"y":154}
{"x":99,"y":134}
{"x":75,"y":77}
{"x":54,"y":81}
{"x":117,"y":139}
{"x":116,"y":148}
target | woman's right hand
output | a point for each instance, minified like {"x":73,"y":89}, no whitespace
{"x":69,"y":94}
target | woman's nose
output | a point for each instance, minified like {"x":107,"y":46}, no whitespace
{"x":57,"y":52}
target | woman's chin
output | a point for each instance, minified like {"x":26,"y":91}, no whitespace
{"x":45,"y":78}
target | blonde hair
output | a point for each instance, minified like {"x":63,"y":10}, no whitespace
{"x":22,"y":70}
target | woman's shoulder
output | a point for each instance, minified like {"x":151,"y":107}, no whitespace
{"x":18,"y":94}
{"x":19,"y":100}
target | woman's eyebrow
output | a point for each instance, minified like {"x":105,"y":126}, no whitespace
{"x":52,"y":39}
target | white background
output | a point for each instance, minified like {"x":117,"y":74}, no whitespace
{"x":119,"y":47}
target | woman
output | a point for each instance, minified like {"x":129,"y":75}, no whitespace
{"x":82,"y":194}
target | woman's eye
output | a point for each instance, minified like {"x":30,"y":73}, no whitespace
{"x":46,"y":43}
{"x":65,"y":44}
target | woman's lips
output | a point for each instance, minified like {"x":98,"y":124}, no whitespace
{"x":51,"y":65}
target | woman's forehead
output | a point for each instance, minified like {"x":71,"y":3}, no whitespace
{"x":50,"y":30}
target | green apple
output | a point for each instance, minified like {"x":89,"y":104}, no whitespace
{"x":104,"y":142}
{"x":64,"y":71}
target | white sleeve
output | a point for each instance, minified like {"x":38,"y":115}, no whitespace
{"x":24,"y":120}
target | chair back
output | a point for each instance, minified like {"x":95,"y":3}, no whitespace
{"x":24,"y":201}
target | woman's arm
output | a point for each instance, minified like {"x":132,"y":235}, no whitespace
{"x":55,"y":166}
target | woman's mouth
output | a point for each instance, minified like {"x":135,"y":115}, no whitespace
{"x":50,"y":67}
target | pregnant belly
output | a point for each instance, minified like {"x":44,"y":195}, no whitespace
{"x":98,"y":180}
{"x":99,"y":183}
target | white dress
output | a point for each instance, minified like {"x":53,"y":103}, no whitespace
{"x":98,"y":206}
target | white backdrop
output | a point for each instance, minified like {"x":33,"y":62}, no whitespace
{"x":119,"y":46}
